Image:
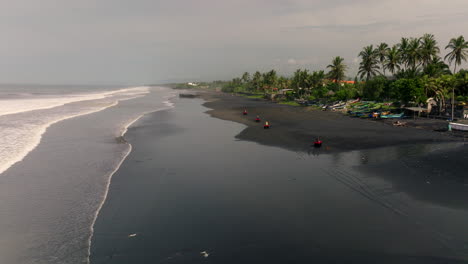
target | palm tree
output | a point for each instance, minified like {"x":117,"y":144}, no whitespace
{"x":458,"y":54}
{"x":436,"y":67}
{"x":300,"y":81}
{"x":245,"y":77}
{"x":403,"y":49}
{"x":369,"y":65}
{"x":337,"y":69}
{"x":413,"y":53}
{"x":437,"y":88}
{"x":270,"y":79}
{"x":459,"y":51}
{"x":316,"y":79}
{"x":409,"y":73}
{"x":393,"y":60}
{"x":257,"y":80}
{"x":382,"y":51}
{"x":429,"y":49}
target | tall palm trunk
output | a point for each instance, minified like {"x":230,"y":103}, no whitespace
{"x":440,"y":107}
{"x":453,"y":93}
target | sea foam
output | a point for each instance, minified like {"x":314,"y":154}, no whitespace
{"x":168,"y":104}
{"x":24,"y":121}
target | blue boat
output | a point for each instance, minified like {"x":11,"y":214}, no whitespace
{"x":400,"y":115}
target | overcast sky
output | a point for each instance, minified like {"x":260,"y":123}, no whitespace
{"x":153,"y":41}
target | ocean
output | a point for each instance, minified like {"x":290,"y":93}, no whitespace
{"x":59,"y":146}
{"x":138,"y":175}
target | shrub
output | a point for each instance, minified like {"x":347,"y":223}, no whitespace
{"x":460,"y":98}
{"x":408,"y":90}
{"x":374,"y":88}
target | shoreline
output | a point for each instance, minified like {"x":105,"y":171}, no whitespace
{"x":186,"y":164}
{"x":169,"y":105}
{"x":108,"y":183}
{"x":51,"y":208}
{"x":295,"y":128}
{"x":37,"y":135}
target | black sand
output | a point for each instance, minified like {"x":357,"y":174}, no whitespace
{"x":191,"y":193}
{"x":295,"y":128}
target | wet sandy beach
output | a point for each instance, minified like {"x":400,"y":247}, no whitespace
{"x":296,"y":127}
{"x":196,"y":189}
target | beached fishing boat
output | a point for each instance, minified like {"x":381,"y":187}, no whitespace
{"x":401,"y":115}
{"x":339,"y":105}
{"x":458,"y":126}
{"x":356,"y":113}
{"x":364,"y":114}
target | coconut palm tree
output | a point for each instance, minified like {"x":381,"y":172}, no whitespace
{"x":403,"y":50}
{"x":257,"y":80}
{"x":436,"y":67}
{"x":270,"y":79}
{"x":435,"y":87}
{"x":300,"y":81}
{"x":337,"y":69}
{"x":382,"y":51}
{"x":316,"y":79}
{"x":245,"y":77}
{"x":369,"y":64}
{"x":392,"y":63}
{"x":458,"y":53}
{"x":429,"y":49}
{"x":413,"y":53}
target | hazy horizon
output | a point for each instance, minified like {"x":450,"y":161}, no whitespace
{"x":149,"y":42}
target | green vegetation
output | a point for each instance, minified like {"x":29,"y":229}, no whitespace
{"x":337,"y":69}
{"x":292,"y":103}
{"x":200,"y":85}
{"x":256,"y":96}
{"x":369,"y":66}
{"x":407,"y":73}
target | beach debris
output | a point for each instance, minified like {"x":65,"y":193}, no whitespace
{"x":132,"y":235}
{"x":399,"y":123}
{"x":205,"y":254}
{"x":187,"y":95}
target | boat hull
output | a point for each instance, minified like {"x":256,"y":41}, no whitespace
{"x":458,"y":126}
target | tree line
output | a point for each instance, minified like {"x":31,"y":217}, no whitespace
{"x":409,"y":71}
